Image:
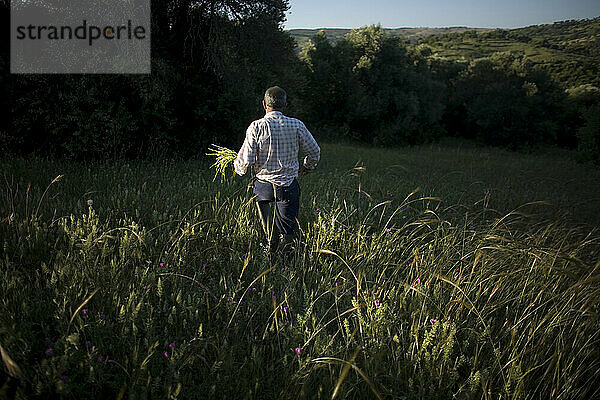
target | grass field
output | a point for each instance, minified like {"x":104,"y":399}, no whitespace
{"x":147,"y":279}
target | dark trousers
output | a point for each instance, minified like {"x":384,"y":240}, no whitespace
{"x":287,"y":204}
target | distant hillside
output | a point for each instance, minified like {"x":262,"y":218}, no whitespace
{"x":569,"y":50}
{"x":410,"y":34}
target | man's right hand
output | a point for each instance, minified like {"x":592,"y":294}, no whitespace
{"x":304,"y":171}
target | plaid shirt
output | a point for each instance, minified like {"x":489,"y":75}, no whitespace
{"x":272,"y":144}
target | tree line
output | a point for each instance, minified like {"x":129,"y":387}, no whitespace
{"x":211,"y":62}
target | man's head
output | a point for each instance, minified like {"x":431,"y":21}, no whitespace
{"x":275,"y":98}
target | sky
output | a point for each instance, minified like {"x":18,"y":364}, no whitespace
{"x":436,"y":13}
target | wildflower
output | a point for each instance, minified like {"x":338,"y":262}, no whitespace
{"x":336,"y":283}
{"x":228,"y":299}
{"x":203,"y":265}
{"x":166,"y":354}
{"x":448,"y":318}
{"x":318,"y":209}
{"x":377,"y":303}
{"x":161,"y":264}
{"x":88,"y":344}
{"x":261,"y":244}
{"x":285,"y":309}
{"x":298,"y":350}
{"x":387,"y":229}
{"x":432,"y":320}
{"x":63,"y":378}
{"x":47,"y":340}
{"x":84,"y":311}
{"x":287,"y":322}
{"x":102,"y":317}
{"x":318,"y":223}
{"x":49,"y":352}
{"x":171,"y":346}
{"x":100,"y":358}
{"x":418,"y":280}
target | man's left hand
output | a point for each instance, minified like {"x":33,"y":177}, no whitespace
{"x":304,"y":171}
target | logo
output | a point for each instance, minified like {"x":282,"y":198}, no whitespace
{"x":80,"y":36}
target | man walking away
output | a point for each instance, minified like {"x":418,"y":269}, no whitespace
{"x":271,"y":146}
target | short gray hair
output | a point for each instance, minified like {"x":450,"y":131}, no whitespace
{"x":275,"y":97}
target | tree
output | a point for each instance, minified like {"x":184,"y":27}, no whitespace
{"x":370,"y":85}
{"x":508,"y":102}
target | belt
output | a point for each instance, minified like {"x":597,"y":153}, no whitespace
{"x":271,"y":183}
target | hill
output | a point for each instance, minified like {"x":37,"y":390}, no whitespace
{"x":569,"y":50}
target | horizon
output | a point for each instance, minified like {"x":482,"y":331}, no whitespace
{"x":392,"y":14}
{"x":440,"y":27}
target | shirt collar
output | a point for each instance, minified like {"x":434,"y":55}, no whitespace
{"x":273,"y":113}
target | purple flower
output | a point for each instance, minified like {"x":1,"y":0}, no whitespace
{"x":285,"y":309}
{"x":171,"y":346}
{"x":203,"y":265}
{"x":161,"y":264}
{"x":102,"y":317}
{"x":377,"y":303}
{"x":88,"y":344}
{"x":318,"y":224}
{"x":298,"y":350}
{"x":100,"y":358}
{"x":418,"y":280}
{"x":47,"y":340}
{"x":228,"y":299}
{"x":432,"y":320}
{"x":84,"y":311}
{"x":166,"y":354}
{"x":49,"y":352}
{"x":287,"y":322}
{"x":318,"y":209}
{"x":387,"y":229}
{"x":63,"y":378}
{"x":336,"y":283}
{"x":261,"y":244}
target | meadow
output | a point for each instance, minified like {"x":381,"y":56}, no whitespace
{"x":434,"y":271}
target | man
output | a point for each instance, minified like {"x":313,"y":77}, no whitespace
{"x":271,"y":146}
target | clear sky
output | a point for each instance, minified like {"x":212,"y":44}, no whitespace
{"x":436,"y":13}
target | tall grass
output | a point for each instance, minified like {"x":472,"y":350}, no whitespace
{"x":149,"y":280}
